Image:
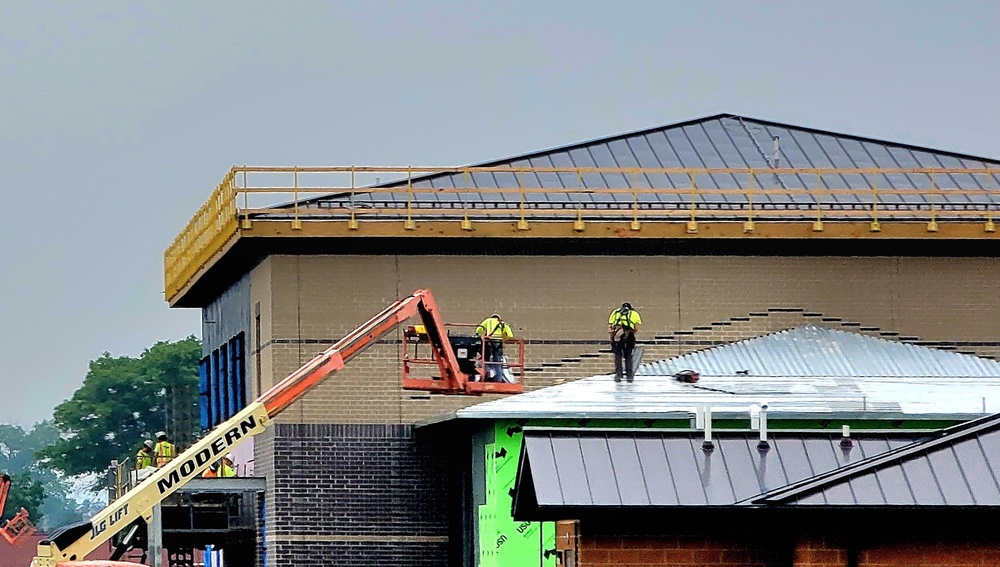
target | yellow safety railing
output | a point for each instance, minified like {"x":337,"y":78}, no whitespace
{"x":808,"y":193}
{"x":206,"y":233}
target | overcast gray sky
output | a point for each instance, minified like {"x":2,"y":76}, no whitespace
{"x":118,"y":119}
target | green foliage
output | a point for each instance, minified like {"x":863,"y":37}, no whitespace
{"x":32,"y":482}
{"x":123,"y":400}
{"x":27,"y":493}
{"x":31,"y":486}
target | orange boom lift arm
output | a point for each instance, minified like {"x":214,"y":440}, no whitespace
{"x":68,"y":546}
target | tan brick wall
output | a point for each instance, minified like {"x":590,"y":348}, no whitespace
{"x":319,"y":298}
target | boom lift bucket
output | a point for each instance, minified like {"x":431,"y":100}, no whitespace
{"x":481,"y":376}
{"x":18,"y":528}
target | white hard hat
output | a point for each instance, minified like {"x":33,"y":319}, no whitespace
{"x":161,"y":434}
{"x":229,"y":456}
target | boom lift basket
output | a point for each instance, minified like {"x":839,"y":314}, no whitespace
{"x":483,"y":376}
{"x":18,"y":529}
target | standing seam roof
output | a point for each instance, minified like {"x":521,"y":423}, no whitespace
{"x":958,"y":466}
{"x":666,"y":469}
{"x":723,"y":140}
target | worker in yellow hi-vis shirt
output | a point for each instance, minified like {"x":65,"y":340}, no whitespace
{"x":494,"y":330}
{"x":164,"y":452}
{"x":623,"y":324}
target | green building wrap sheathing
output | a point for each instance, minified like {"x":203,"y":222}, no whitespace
{"x":502,"y":541}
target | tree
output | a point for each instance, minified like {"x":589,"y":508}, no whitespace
{"x":65,"y":498}
{"x":123,"y":400}
{"x":17,"y":458}
{"x":27,"y":493}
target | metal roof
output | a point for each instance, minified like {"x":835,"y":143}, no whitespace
{"x":818,"y":351}
{"x":662,"y":469}
{"x":719,"y":141}
{"x":801,"y":372}
{"x":958,"y":467}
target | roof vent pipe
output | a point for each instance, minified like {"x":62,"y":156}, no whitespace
{"x":763,"y":445}
{"x":845,"y":440}
{"x":707,"y":444}
{"x":777,"y":153}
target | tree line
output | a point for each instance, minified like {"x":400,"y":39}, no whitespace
{"x":123,"y":400}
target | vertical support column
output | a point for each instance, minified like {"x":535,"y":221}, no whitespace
{"x":155,"y":551}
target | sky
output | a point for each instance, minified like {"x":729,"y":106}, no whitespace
{"x":118,"y":119}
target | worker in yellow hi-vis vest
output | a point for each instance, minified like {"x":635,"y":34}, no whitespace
{"x":228,"y":468}
{"x":494,"y":330}
{"x":144,"y":457}
{"x":623,"y":324}
{"x":164,"y":452}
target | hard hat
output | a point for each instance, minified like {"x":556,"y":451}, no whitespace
{"x":626,"y":305}
{"x":495,"y":316}
{"x":148,"y":444}
{"x":214,"y":466}
{"x":161,"y":434}
{"x":228,"y":457}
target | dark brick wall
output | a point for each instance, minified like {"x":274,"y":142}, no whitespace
{"x":359,"y":494}
{"x":361,"y":554}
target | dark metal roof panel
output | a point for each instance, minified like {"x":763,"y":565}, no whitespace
{"x":718,"y":141}
{"x":956,"y":467}
{"x":641,"y":468}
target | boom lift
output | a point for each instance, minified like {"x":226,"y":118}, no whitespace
{"x":68,"y":546}
{"x":18,"y":528}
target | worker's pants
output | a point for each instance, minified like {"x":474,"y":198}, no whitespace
{"x":623,"y":347}
{"x":494,"y":354}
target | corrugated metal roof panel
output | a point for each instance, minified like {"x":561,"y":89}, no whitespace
{"x":808,"y":370}
{"x":818,"y":351}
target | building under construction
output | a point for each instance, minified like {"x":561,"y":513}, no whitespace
{"x":718,"y":230}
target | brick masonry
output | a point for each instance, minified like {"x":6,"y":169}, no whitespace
{"x":356,"y":495}
{"x":639,"y":551}
{"x":307,"y":302}
{"x":559,"y":304}
{"x":809,"y":551}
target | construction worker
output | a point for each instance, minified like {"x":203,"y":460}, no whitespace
{"x":144,"y":457}
{"x":228,"y":469}
{"x":494,"y":330}
{"x":623,"y":324}
{"x":164,"y":452}
{"x":212,"y":471}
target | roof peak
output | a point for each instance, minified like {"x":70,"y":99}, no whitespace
{"x":815,"y":351}
{"x":718,"y":117}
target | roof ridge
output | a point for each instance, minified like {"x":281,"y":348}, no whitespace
{"x":820,"y":329}
{"x":706,"y":118}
